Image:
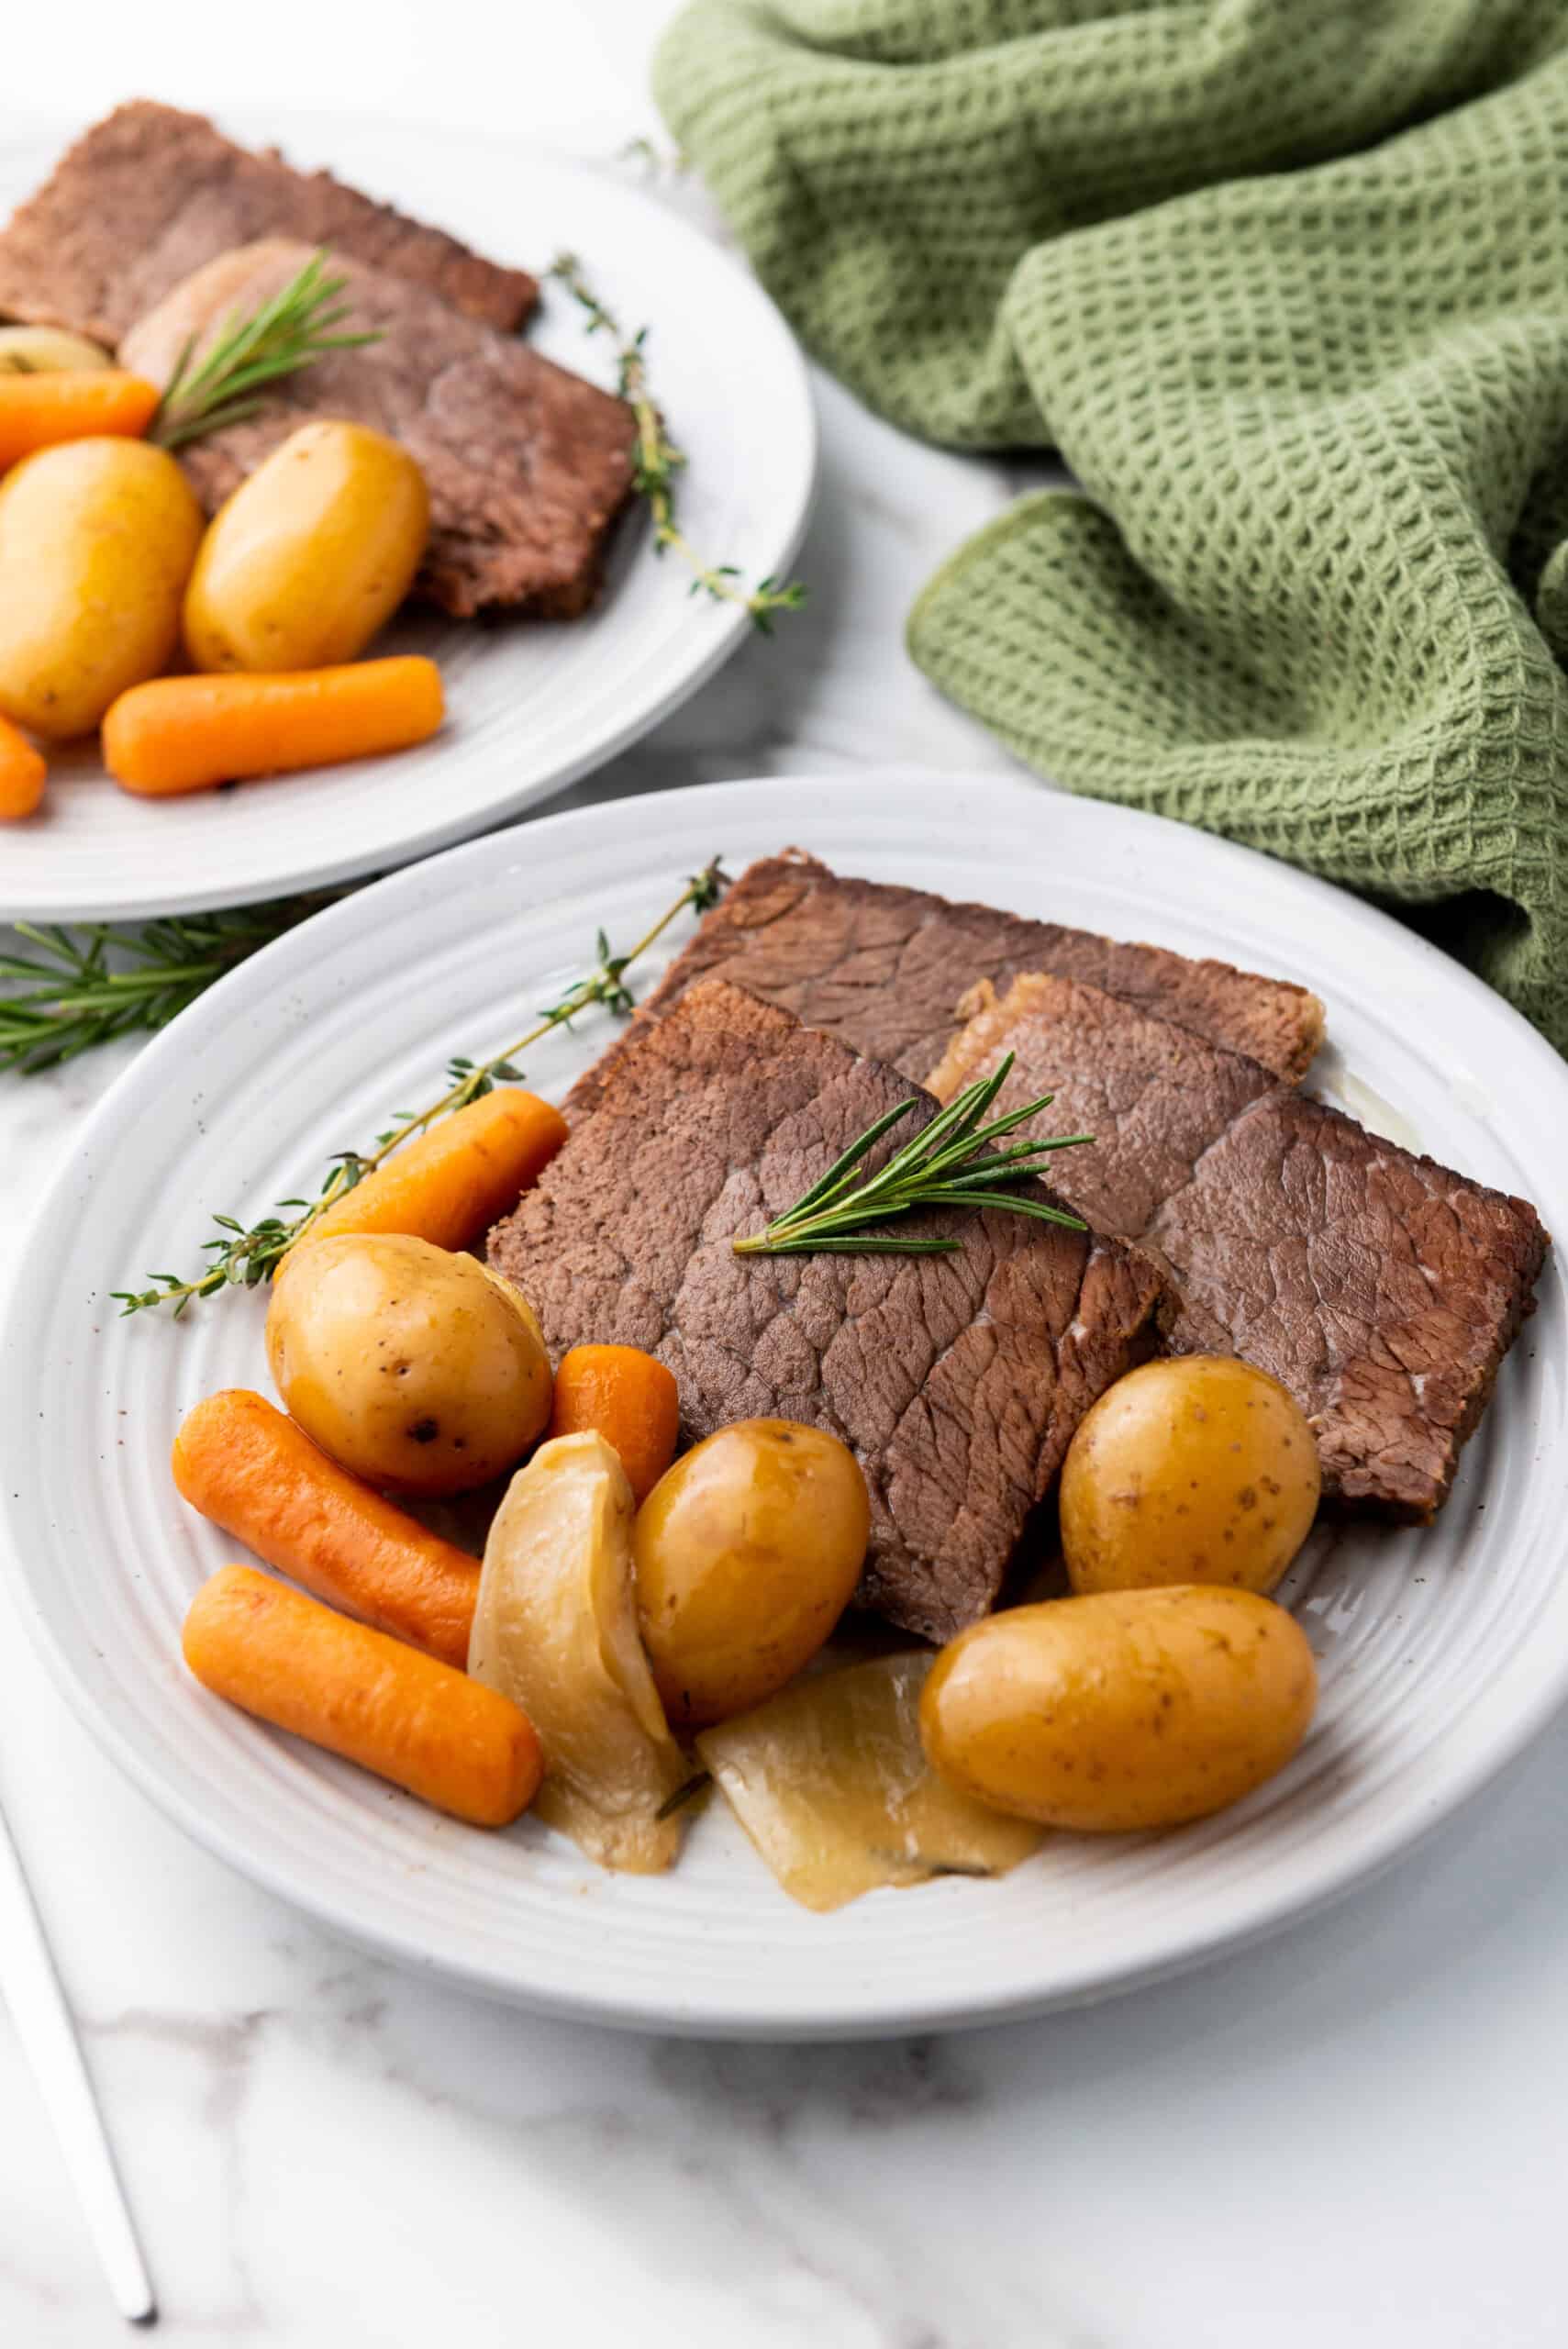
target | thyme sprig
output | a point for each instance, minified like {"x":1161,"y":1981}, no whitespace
{"x":949,"y":1163}
{"x":656,"y":162}
{"x":659,"y":461}
{"x":244,"y":1255}
{"x":292,"y":330}
{"x":85,"y":986}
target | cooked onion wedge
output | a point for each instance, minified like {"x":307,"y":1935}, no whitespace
{"x":830,"y":1783}
{"x":555,"y":1629}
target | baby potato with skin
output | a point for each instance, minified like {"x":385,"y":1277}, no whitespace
{"x":311,"y":555}
{"x":419,"y":1371}
{"x":747,"y":1550}
{"x":97,"y":538}
{"x":1125,"y":1709}
{"x":1197,"y":1469}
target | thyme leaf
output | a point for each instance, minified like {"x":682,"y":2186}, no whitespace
{"x":659,"y":461}
{"x":245,"y":1254}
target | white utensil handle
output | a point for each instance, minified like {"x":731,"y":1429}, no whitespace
{"x":32,"y":1991}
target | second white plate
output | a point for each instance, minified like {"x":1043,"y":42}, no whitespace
{"x":1440,"y":1652}
{"x":532,"y":705}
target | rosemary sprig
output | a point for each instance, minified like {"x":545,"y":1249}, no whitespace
{"x":244,"y":1255}
{"x":659,"y":461}
{"x":292,"y":330}
{"x":84,"y":986}
{"x":949,"y":1163}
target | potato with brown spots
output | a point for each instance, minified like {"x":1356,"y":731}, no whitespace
{"x":1196,"y":1470}
{"x":416,"y":1370}
{"x":1127,"y":1709}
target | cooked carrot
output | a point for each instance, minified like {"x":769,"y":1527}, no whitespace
{"x":22,"y":773}
{"x":261,"y":1478}
{"x":450,"y":1184}
{"x":625,"y":1396}
{"x":186,"y":733}
{"x":38,"y":410}
{"x":451,"y":1741}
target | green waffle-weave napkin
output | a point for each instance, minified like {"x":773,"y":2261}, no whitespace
{"x":1286,"y":282}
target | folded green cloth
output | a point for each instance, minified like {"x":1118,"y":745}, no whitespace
{"x":1286,"y":282}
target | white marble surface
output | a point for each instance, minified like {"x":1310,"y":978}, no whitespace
{"x":1353,"y":2135}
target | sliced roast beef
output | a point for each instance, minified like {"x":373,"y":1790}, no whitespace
{"x":884,"y":969}
{"x":1153,"y":1096}
{"x":957,"y":1380}
{"x":1381,"y":1288}
{"x":528,"y":465}
{"x":150,"y":194}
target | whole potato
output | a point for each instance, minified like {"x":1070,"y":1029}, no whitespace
{"x":1200,"y":1469}
{"x":311,"y":555}
{"x":418,"y":1370}
{"x":47,"y":351}
{"x":1128,"y":1708}
{"x":747,"y":1553}
{"x":97,"y":538}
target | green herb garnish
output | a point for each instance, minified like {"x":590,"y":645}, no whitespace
{"x":659,"y":461}
{"x":243,"y":1254}
{"x":949,"y":1164}
{"x":85,"y":986}
{"x":291,"y":331}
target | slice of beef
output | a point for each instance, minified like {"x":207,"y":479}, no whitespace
{"x":1153,"y":1095}
{"x":1381,"y":1288}
{"x":885,"y":969}
{"x":528,"y":465}
{"x":957,"y":1380}
{"x":149,"y":193}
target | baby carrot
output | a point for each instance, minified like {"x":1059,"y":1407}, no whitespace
{"x":628,"y":1398}
{"x":451,"y":1183}
{"x":262,"y":1479}
{"x":451,"y":1741}
{"x":22,"y":771}
{"x":38,"y":410}
{"x":186,"y":733}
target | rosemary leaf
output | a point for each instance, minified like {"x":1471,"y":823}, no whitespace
{"x":851,"y":1243}
{"x":292,"y":329}
{"x":946,"y":1164}
{"x":85,"y":986}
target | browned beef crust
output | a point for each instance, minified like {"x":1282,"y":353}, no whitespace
{"x":957,"y":1380}
{"x":528,"y":465}
{"x":1383,"y":1290}
{"x":149,"y":193}
{"x":884,"y":969}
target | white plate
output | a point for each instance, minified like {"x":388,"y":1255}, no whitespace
{"x":1440,"y":1652}
{"x":532,"y":705}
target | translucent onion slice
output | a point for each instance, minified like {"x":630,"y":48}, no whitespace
{"x":555,"y":1629}
{"x":830,"y":1783}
